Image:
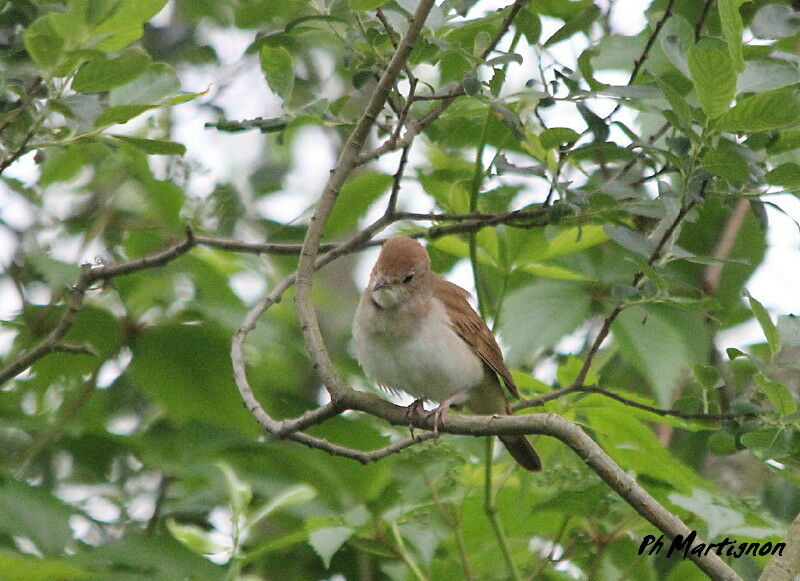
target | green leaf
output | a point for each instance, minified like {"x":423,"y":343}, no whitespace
{"x":634,"y":446}
{"x":769,"y":443}
{"x":510,"y":57}
{"x":587,"y":70}
{"x":568,"y":372}
{"x":713,"y":75}
{"x":560,"y":308}
{"x":731,"y":167}
{"x":673,"y":47}
{"x":510,"y":119}
{"x":278,"y":68}
{"x":597,"y":125}
{"x":789,"y":328}
{"x":57,"y":274}
{"x":662,"y":342}
{"x":19,"y":567}
{"x":240,"y":493}
{"x":63,"y":163}
{"x":126,"y":23}
{"x":762,"y":112}
{"x":706,"y":375}
{"x":631,"y":240}
{"x":312,"y":20}
{"x":327,"y":541}
{"x":120,"y":114}
{"x":185,"y":357}
{"x":557,"y":136}
{"x":194,"y":538}
{"x":722,"y":444}
{"x":156,"y":556}
{"x":357,"y":194}
{"x":769,"y":328}
{"x":529,"y":24}
{"x":32,"y":512}
{"x":766,"y":75}
{"x":786,"y":175}
{"x":578,"y":23}
{"x":733,"y":353}
{"x":157,"y":83}
{"x":732,"y":29}
{"x":43,"y":43}
{"x":298,"y":494}
{"x":103,"y":74}
{"x":552,"y":271}
{"x":366,"y":4}
{"x":775,"y":21}
{"x":534,"y":246}
{"x":152,"y":146}
{"x":472,"y":85}
{"x":778,"y":394}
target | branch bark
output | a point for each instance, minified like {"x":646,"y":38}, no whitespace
{"x":784,"y":567}
{"x":565,"y":431}
{"x":347,"y":162}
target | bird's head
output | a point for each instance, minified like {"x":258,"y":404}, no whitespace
{"x":401,"y":274}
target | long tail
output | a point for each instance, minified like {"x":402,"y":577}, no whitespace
{"x":487,"y":399}
{"x":521,"y":450}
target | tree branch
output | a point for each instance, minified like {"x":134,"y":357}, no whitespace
{"x":568,"y":433}
{"x":712,"y":274}
{"x":347,"y":162}
{"x":784,"y":567}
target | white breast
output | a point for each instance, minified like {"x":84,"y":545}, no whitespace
{"x":426,"y":360}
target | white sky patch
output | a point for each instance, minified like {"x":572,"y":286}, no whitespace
{"x":248,"y":286}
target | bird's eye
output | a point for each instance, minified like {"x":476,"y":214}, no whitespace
{"x":408,"y":278}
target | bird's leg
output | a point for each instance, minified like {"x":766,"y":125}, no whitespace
{"x":442,"y":408}
{"x":413,"y":410}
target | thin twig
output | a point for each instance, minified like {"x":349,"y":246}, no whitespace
{"x":471,"y":222}
{"x":53,"y":431}
{"x":637,"y":278}
{"x":558,"y":393}
{"x":395,"y":39}
{"x":89,"y":275}
{"x":637,"y":64}
{"x":17,"y":153}
{"x":698,"y":26}
{"x":453,"y":521}
{"x":396,"y":180}
{"x":161,"y":496}
{"x":19,"y":105}
{"x":415,"y":128}
{"x":490,"y":509}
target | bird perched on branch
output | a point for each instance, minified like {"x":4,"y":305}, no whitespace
{"x":414,"y":331}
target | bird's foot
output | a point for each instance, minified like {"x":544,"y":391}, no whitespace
{"x":414,"y":410}
{"x":441,"y":410}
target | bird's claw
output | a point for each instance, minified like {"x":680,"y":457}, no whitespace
{"x":438,"y":414}
{"x":413,"y":410}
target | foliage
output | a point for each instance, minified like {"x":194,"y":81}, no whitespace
{"x":586,"y":205}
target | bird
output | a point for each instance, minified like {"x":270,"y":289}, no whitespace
{"x":414,"y":331}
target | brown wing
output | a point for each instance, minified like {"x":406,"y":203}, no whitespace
{"x":472,"y":329}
